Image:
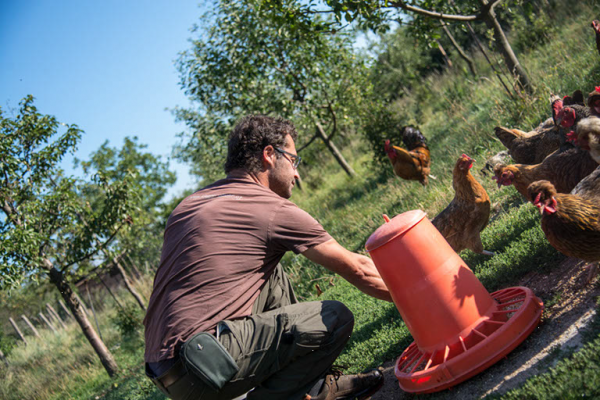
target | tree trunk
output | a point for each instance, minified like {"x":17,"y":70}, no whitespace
{"x":459,"y":49}
{"x":106,"y":358}
{"x":128,"y":284}
{"x":30,"y":325}
{"x":111,"y":293}
{"x":138,"y":274}
{"x":336,"y":153}
{"x":14,"y":324}
{"x":87,"y":289}
{"x":487,"y":58}
{"x":503,"y":46}
{"x":299,"y":183}
{"x":53,"y":312}
{"x":82,"y":303}
{"x":447,"y":59}
{"x":47,"y":322}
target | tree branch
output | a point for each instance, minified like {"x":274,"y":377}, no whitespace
{"x":307,"y":143}
{"x":334,"y":118}
{"x":102,"y":246}
{"x":435,"y":14}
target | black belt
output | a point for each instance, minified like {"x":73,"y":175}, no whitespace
{"x":173,"y":374}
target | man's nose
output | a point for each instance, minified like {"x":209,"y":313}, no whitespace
{"x":296,"y":174}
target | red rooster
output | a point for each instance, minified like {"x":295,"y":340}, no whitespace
{"x":412,"y":164}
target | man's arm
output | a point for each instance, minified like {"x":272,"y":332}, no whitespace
{"x":357,"y":269}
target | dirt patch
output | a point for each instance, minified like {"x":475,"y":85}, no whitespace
{"x":569,"y":296}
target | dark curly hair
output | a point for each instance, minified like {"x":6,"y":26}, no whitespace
{"x":250,"y":136}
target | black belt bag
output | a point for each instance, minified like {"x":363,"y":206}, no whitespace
{"x":208,"y":360}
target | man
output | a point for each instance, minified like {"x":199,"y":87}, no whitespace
{"x":223,"y":319}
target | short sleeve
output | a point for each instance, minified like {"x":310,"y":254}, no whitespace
{"x":293,"y":229}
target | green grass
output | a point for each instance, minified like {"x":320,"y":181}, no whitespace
{"x":457,"y":114}
{"x":63,"y":365}
{"x":575,"y":376}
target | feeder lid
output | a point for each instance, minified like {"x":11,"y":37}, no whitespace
{"x":393,"y":228}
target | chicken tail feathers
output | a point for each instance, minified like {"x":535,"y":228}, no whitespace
{"x":412,"y":138}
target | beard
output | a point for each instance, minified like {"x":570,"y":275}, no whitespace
{"x":281,"y":183}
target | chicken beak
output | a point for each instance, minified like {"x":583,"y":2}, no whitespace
{"x":541,"y":207}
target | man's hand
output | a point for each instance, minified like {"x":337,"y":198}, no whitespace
{"x":357,"y":269}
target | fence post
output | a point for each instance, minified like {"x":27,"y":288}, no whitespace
{"x":30,"y":325}
{"x":65,"y":309}
{"x":53,"y":312}
{"x":43,"y":317}
{"x":87,"y":288}
{"x":14,"y":324}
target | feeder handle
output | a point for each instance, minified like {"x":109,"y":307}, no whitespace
{"x":386,"y":218}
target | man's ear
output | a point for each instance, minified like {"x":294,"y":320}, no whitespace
{"x":268,"y":157}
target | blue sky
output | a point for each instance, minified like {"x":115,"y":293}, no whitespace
{"x":106,"y":66}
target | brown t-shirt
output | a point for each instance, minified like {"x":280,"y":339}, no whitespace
{"x":221,"y":245}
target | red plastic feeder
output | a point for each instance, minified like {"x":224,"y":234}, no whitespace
{"x":458,"y":327}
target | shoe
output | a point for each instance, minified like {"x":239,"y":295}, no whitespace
{"x":350,"y":387}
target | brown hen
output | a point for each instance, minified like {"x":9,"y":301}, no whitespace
{"x":563,"y":168}
{"x":593,"y":102}
{"x":468,"y":213}
{"x":571,"y":222}
{"x":530,"y":147}
{"x":413,"y":163}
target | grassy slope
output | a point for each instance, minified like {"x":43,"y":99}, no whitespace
{"x":457,"y":116}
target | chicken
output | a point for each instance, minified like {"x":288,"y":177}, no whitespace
{"x":596,"y":26}
{"x":571,"y":222}
{"x":563,"y":168}
{"x":593,"y":102}
{"x":569,"y":116}
{"x":588,"y":136}
{"x":412,"y":164}
{"x":468,"y":213}
{"x":499,"y":158}
{"x":557,"y":103}
{"x":530,"y":147}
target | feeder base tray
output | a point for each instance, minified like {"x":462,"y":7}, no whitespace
{"x":515,"y":315}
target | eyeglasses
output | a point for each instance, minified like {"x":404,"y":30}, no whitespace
{"x":294,"y":159}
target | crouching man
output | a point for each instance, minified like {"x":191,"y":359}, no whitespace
{"x":223,"y":319}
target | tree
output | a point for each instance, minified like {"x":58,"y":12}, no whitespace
{"x":151,"y":178}
{"x":376,"y":14}
{"x":47,"y":232}
{"x":247,"y":59}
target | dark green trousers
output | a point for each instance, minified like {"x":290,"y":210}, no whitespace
{"x":282,"y":349}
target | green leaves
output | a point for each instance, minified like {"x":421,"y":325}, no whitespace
{"x":265,"y":57}
{"x":45,"y":214}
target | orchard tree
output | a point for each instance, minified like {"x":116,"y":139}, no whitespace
{"x":246,"y":59}
{"x":47,"y":231}
{"x":377,"y":14}
{"x":151,"y":179}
